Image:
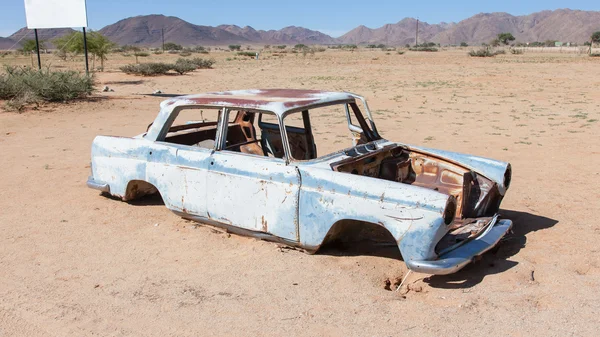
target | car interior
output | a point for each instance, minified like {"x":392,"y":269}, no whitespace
{"x":248,"y":133}
{"x":258,"y":133}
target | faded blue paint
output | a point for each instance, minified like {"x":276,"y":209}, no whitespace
{"x":297,"y":202}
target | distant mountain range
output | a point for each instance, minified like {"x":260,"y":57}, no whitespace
{"x":563,"y":25}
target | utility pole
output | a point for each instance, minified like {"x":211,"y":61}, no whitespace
{"x":163,"y":38}
{"x":417,"y":34}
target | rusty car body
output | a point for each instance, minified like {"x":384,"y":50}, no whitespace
{"x":440,"y":207}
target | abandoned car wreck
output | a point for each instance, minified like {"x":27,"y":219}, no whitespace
{"x":255,"y":169}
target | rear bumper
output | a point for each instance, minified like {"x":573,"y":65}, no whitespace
{"x":456,"y":259}
{"x":98,"y":185}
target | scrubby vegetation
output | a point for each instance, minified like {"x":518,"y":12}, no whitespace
{"x":428,"y":49}
{"x":181,"y":66}
{"x":24,"y":86}
{"x":172,"y":46}
{"x":426,"y":46}
{"x":485,"y":52}
{"x":247,"y":53}
{"x":516,"y":51}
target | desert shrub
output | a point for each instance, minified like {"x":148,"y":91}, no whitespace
{"x":595,"y":55}
{"x":516,"y":51}
{"x":464,"y":44}
{"x":319,"y":49}
{"x":23,"y":86}
{"x":247,"y":53}
{"x":147,"y":69}
{"x":233,"y":47}
{"x":401,"y":52}
{"x":500,"y":52}
{"x":202,"y":63}
{"x":157,"y":52}
{"x":183,"y":66}
{"x":485,"y":52}
{"x":185,"y":54}
{"x":172,"y":46}
{"x":300,"y":46}
{"x":427,"y":49}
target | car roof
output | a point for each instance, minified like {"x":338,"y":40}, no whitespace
{"x":278,"y":101}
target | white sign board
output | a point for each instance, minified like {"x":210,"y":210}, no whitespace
{"x":55,"y":13}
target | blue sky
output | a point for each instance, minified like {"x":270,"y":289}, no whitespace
{"x":331,"y":17}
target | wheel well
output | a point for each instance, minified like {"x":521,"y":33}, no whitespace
{"x":139,"y":188}
{"x":358,"y":238}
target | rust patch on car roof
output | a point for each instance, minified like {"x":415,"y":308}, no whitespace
{"x":276,"y":100}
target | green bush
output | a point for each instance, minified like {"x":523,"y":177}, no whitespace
{"x":485,"y":52}
{"x":235,"y":47}
{"x":428,"y":49}
{"x":147,"y":69}
{"x":23,"y":86}
{"x":183,"y":66}
{"x":185,"y":54}
{"x":595,"y":55}
{"x":172,"y":46}
{"x":247,"y":53}
{"x":516,"y":51}
{"x":202,"y":63}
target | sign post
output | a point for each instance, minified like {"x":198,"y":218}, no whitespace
{"x":37,"y":48}
{"x":87,"y":66}
{"x":42,"y":14}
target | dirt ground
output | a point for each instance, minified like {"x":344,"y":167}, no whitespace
{"x":74,"y":263}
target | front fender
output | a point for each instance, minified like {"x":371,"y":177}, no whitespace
{"x":327,"y":197}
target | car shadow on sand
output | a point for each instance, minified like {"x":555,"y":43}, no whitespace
{"x":496,"y":260}
{"x":373,"y":243}
{"x":365,"y":240}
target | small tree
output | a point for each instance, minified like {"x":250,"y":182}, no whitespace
{"x":98,"y":45}
{"x":233,"y":47}
{"x":30,"y":47}
{"x":464,"y":44}
{"x":505,"y":38}
{"x":595,"y":38}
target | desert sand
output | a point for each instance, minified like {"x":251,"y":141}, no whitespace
{"x":75,"y":263}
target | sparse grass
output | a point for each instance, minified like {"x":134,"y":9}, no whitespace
{"x":24,"y":86}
